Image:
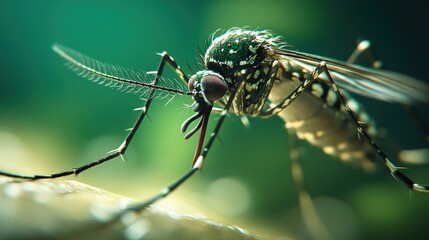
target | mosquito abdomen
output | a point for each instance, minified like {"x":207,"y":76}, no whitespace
{"x":317,"y":116}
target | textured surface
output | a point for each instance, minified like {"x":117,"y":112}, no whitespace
{"x":57,"y":209}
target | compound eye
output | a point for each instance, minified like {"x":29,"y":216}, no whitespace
{"x":213,"y":87}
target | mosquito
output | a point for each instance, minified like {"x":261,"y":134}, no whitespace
{"x":256,"y":74}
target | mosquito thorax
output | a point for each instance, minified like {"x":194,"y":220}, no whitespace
{"x":242,"y":55}
{"x":207,"y":85}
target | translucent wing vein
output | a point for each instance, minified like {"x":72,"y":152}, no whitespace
{"x":374,"y":83}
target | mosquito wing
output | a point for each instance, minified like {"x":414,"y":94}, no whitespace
{"x":374,"y":83}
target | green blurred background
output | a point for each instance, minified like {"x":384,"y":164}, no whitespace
{"x":52,"y":120}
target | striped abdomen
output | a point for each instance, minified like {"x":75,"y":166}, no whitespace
{"x":317,"y":116}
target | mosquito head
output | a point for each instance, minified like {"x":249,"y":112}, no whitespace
{"x":206,"y":87}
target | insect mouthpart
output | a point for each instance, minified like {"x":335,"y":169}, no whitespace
{"x":206,"y":87}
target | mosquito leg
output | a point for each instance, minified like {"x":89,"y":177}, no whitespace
{"x":274,"y":110}
{"x":196,"y":166}
{"x":364,"y":46}
{"x":162,"y":194}
{"x":308,"y":210}
{"x":394,"y":170}
{"x":166,"y":58}
{"x":120,"y":151}
{"x":309,"y":213}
